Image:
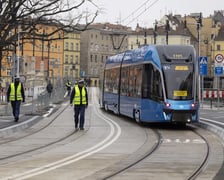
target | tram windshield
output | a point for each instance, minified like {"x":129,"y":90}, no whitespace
{"x":178,"y":81}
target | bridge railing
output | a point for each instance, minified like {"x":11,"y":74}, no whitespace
{"x":40,"y":102}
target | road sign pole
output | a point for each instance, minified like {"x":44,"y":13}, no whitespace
{"x":218,"y":91}
{"x":203,"y":64}
{"x":202,"y":90}
{"x":219,"y":59}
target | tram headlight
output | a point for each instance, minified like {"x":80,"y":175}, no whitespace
{"x":168,"y":104}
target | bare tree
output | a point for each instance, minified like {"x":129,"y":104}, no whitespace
{"x":26,"y":15}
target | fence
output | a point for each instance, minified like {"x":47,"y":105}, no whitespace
{"x":39,"y":98}
{"x":213,"y":94}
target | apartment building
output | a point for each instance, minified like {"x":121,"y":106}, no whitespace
{"x":71,"y":62}
{"x":175,"y":34}
{"x":43,"y":54}
{"x":98,"y":43}
{"x":47,"y":54}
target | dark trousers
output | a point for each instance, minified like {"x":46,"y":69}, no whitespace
{"x":69,"y":91}
{"x":16,"y":108}
{"x":79,"y":115}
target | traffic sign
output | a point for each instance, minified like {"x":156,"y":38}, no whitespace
{"x":203,"y":65}
{"x":219,"y":58}
{"x":218,"y":71}
{"x":82,"y":73}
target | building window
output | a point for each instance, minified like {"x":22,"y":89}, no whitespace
{"x":66,"y":71}
{"x":66,"y":59}
{"x":72,"y":46}
{"x":77,"y":59}
{"x":52,"y":48}
{"x":66,"y":46}
{"x":218,"y":47}
{"x":71,"y":59}
{"x":91,"y":58}
{"x":77,"y":47}
{"x":9,"y":59}
{"x":8,"y":72}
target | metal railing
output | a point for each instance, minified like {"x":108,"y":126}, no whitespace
{"x":40,"y":104}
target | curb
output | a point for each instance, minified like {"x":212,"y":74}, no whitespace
{"x":18,"y":127}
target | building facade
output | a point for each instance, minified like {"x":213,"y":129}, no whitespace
{"x":47,"y":54}
{"x":97,"y":44}
{"x":71,"y":63}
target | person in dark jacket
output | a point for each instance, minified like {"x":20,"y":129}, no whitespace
{"x":68,"y":85}
{"x":49,"y":88}
{"x":16,"y":95}
{"x":79,"y":98}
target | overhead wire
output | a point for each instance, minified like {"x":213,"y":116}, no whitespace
{"x":142,"y":12}
{"x":133,"y":12}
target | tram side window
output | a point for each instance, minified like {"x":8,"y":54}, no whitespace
{"x":157,"y":86}
{"x":152,"y":83}
{"x":124,"y":81}
{"x":111,"y":80}
{"x":146,"y":82}
{"x":106,"y":81}
{"x":135,"y":81}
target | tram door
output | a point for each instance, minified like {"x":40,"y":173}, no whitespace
{"x":152,"y":94}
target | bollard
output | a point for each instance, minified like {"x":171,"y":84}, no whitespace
{"x":211,"y":103}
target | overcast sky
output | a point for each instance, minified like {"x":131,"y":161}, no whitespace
{"x":145,"y":12}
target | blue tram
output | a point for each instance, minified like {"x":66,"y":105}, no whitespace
{"x":153,"y":84}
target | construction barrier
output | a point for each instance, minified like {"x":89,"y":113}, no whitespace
{"x":213,"y":94}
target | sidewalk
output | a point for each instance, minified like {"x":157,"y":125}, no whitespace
{"x":26,"y":120}
{"x":212,"y":106}
{"x":5,"y":107}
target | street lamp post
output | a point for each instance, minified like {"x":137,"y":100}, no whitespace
{"x":201,"y":77}
{"x":48,"y":57}
{"x":198,"y":17}
{"x":155,"y":31}
{"x":167,"y":28}
{"x":18,"y":56}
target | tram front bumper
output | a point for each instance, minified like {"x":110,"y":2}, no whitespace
{"x":184,"y":116}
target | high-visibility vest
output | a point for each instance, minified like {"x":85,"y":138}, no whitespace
{"x":77,"y":97}
{"x":68,"y":84}
{"x":17,"y":93}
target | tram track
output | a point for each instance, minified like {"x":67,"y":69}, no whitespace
{"x":204,"y":161}
{"x":198,"y":168}
{"x":31,"y":131}
{"x":118,"y":170}
{"x":108,"y":140}
{"x":148,"y":159}
{"x":136,"y":157}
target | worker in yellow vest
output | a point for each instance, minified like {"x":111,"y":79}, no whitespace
{"x":68,"y":85}
{"x":79,"y":98}
{"x":16,"y":95}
